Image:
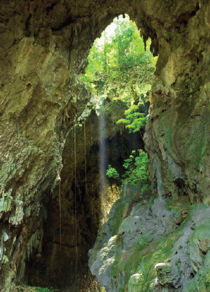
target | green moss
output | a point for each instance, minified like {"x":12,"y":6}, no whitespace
{"x":5,"y":203}
{"x":118,"y":216}
{"x":201,"y":281}
{"x":120,"y":211}
{"x":23,"y":288}
{"x":202,"y":232}
{"x":156,"y":253}
{"x":180,"y":207}
{"x":168,"y":139}
{"x":134,"y":269}
{"x":142,"y":259}
{"x":39,"y":289}
{"x":138,"y":263}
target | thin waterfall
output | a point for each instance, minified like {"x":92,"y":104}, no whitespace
{"x":75,"y":198}
{"x":102,"y":156}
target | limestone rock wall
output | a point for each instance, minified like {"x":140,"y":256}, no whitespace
{"x":155,"y":243}
{"x":178,"y":130}
{"x":150,"y":244}
{"x":43,"y":46}
{"x":40,"y":96}
{"x":76,"y":208}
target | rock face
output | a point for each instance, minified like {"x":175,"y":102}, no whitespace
{"x":76,"y":208}
{"x":43,"y":48}
{"x":145,"y":247}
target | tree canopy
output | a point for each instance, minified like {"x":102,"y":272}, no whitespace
{"x":119,"y":65}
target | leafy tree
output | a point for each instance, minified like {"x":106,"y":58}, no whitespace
{"x":136,"y":169}
{"x":118,"y":65}
{"x":120,"y":68}
{"x":136,"y":166}
{"x":134,"y":120}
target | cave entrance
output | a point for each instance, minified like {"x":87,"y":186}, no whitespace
{"x":119,"y":74}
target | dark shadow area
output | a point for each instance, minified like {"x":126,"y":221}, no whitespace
{"x":73,"y":211}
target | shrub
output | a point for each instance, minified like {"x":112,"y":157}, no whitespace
{"x":112,"y":173}
{"x":136,"y":168}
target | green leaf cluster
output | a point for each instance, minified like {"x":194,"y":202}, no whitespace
{"x":134,"y":120}
{"x":119,"y":67}
{"x":112,"y":172}
{"x":136,"y":168}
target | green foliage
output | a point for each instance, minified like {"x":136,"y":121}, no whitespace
{"x":121,"y":68}
{"x":134,"y":120}
{"x":136,"y":168}
{"x":112,"y":172}
{"x":118,"y":65}
{"x":39,"y":289}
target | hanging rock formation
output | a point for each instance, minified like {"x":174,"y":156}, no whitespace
{"x":43,"y":49}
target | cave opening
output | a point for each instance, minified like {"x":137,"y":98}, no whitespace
{"x":49,"y":218}
{"x":77,"y":207}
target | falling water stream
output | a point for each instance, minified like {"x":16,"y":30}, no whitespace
{"x":75,"y":199}
{"x":102,"y":156}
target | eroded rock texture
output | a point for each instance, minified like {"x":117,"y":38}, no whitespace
{"x":77,"y":208}
{"x":148,"y":245}
{"x":43,"y":48}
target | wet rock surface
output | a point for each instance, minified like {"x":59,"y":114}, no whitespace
{"x":76,"y":208}
{"x":43,"y":48}
{"x":141,"y":254}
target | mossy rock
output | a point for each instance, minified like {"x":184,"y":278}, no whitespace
{"x":31,"y":289}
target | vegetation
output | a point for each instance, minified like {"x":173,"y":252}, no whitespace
{"x":121,"y":67}
{"x":112,"y":172}
{"x":136,"y":169}
{"x":136,"y":166}
{"x":134,"y":120}
{"x":39,"y":289}
{"x":32,"y":289}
